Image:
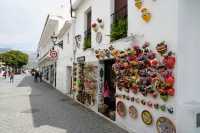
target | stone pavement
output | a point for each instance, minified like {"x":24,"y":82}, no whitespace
{"x":28,"y":107}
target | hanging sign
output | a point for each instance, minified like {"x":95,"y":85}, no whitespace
{"x":81,"y":59}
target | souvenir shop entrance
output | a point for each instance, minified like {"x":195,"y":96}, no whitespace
{"x":108,"y":107}
{"x":86,"y":84}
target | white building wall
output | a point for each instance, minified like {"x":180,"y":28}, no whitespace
{"x":188,"y":65}
{"x":65,"y":60}
{"x":173,"y":21}
{"x":162,"y":27}
{"x":80,"y":27}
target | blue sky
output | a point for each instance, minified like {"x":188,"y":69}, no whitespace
{"x":22,"y":21}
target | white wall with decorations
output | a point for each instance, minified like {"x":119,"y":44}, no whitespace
{"x":176,"y":23}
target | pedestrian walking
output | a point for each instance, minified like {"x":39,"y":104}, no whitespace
{"x":5,"y":74}
{"x":40,"y":76}
{"x":12,"y":77}
{"x":36,"y":75}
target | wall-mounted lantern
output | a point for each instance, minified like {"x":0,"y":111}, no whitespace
{"x":54,"y":40}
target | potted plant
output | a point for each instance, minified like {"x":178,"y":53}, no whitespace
{"x":87,"y":42}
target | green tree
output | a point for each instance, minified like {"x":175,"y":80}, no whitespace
{"x":14,"y":58}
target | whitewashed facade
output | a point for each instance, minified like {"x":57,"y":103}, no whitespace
{"x":55,"y":71}
{"x":65,"y":57}
{"x":176,"y":22}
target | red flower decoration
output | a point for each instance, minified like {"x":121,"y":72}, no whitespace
{"x":169,"y":61}
{"x":94,"y":25}
{"x":171,"y":91}
{"x":169,"y":80}
{"x":153,"y":62}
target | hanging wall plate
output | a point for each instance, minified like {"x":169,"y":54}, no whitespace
{"x":164,"y":125}
{"x":121,"y":109}
{"x":99,"y":37}
{"x":147,"y":117}
{"x":133,"y":112}
{"x":146,"y":15}
{"x":138,"y":4}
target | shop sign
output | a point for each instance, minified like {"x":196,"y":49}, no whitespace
{"x":81,"y":59}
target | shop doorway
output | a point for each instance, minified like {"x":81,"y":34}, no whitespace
{"x":52,"y":74}
{"x":109,"y":90}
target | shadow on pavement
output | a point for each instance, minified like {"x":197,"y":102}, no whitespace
{"x":50,"y":107}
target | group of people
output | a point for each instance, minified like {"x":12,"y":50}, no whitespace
{"x":10,"y":74}
{"x":37,"y":74}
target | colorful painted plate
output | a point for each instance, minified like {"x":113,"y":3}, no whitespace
{"x":133,"y":112}
{"x":121,"y":109}
{"x":147,"y":117}
{"x":164,"y":125}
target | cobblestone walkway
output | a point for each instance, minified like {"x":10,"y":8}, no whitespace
{"x":28,"y":107}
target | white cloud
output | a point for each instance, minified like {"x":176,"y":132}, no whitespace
{"x":22,"y":21}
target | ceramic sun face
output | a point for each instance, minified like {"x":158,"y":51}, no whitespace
{"x":146,"y":15}
{"x":138,"y":4}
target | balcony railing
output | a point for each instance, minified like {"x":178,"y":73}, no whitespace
{"x":87,"y":39}
{"x":119,"y":24}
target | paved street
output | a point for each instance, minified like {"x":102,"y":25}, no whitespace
{"x":28,"y":107}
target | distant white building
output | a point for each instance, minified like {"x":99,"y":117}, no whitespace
{"x":46,"y":64}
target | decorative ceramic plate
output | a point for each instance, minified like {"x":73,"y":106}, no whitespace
{"x":99,"y":37}
{"x":147,"y":117}
{"x":133,"y":112}
{"x":164,"y":125}
{"x":121,"y":109}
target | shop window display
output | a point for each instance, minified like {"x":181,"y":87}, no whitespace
{"x":86,"y":84}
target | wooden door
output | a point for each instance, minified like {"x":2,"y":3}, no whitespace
{"x":120,"y":8}
{"x":89,"y":19}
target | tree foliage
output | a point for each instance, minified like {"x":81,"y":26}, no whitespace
{"x":14,"y":58}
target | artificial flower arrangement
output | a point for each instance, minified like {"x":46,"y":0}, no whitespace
{"x":143,"y":70}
